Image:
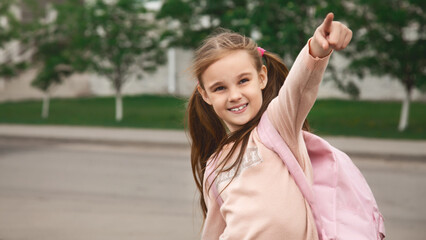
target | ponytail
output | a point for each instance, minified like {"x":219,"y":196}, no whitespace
{"x":206,"y":131}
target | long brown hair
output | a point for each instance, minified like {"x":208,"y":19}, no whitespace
{"x":206,"y":129}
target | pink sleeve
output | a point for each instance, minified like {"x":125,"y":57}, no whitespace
{"x":289,"y":110}
{"x":214,"y":224}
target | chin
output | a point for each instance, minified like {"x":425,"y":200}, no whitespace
{"x":241,"y":123}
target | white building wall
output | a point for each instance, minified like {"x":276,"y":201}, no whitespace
{"x":20,"y":88}
{"x":370,"y":87}
{"x":153,"y":83}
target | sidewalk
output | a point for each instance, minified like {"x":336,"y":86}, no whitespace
{"x":394,"y":149}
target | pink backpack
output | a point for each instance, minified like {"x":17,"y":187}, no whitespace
{"x":340,"y":198}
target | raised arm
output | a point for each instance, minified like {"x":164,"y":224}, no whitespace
{"x":289,"y":110}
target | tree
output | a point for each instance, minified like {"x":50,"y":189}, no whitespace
{"x":390,"y":39}
{"x":113,"y":39}
{"x":10,"y":28}
{"x":122,"y":38}
{"x":282,"y":27}
{"x":48,"y":44}
{"x":53,"y":68}
{"x":191,"y":21}
{"x":55,"y":46}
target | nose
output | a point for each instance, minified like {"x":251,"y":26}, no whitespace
{"x":234,"y":94}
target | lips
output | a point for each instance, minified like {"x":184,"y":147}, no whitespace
{"x":238,"y":108}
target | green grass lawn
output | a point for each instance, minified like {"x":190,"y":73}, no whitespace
{"x":328,"y":117}
{"x":138,"y":111}
{"x":367,"y":119}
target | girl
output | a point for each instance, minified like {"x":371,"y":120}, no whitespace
{"x":260,"y":198}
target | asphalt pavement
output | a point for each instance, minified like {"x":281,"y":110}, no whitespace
{"x":354,"y":146}
{"x":58,"y":182}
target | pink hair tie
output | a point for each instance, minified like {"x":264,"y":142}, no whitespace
{"x":261,"y":51}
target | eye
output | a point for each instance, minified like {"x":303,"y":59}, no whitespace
{"x":244,"y":80}
{"x":218,"y":89}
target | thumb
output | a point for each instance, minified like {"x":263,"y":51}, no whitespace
{"x":321,"y":41}
{"x":327,"y":23}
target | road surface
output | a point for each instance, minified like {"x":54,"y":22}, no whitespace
{"x":72,"y":191}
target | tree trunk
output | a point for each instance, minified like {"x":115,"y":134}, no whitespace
{"x":118,"y":106}
{"x":403,"y":120}
{"x":171,"y":59}
{"x":45,"y":109}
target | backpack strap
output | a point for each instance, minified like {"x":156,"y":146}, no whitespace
{"x":273,"y":140}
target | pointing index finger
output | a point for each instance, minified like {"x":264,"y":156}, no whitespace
{"x":327,"y":22}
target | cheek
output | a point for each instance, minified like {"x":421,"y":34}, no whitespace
{"x":218,"y":102}
{"x":259,"y":102}
{"x":257,"y":98}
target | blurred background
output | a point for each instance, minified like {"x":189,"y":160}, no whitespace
{"x":93,"y":96}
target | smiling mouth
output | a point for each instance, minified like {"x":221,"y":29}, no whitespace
{"x":237,"y":109}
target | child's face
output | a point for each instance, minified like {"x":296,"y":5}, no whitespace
{"x":233,"y":86}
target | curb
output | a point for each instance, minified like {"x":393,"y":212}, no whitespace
{"x":353,"y":146}
{"x":388,"y":149}
{"x":149,"y":144}
{"x":121,"y":136}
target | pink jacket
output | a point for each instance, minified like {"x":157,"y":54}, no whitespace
{"x":263,"y":201}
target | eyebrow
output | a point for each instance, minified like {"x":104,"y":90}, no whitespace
{"x":218,"y":83}
{"x":244,"y":74}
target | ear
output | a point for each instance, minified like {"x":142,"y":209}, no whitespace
{"x":203,"y":94}
{"x":263,"y":77}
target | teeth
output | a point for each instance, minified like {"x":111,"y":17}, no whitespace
{"x":238,"y":108}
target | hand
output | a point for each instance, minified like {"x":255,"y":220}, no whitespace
{"x":329,"y":35}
